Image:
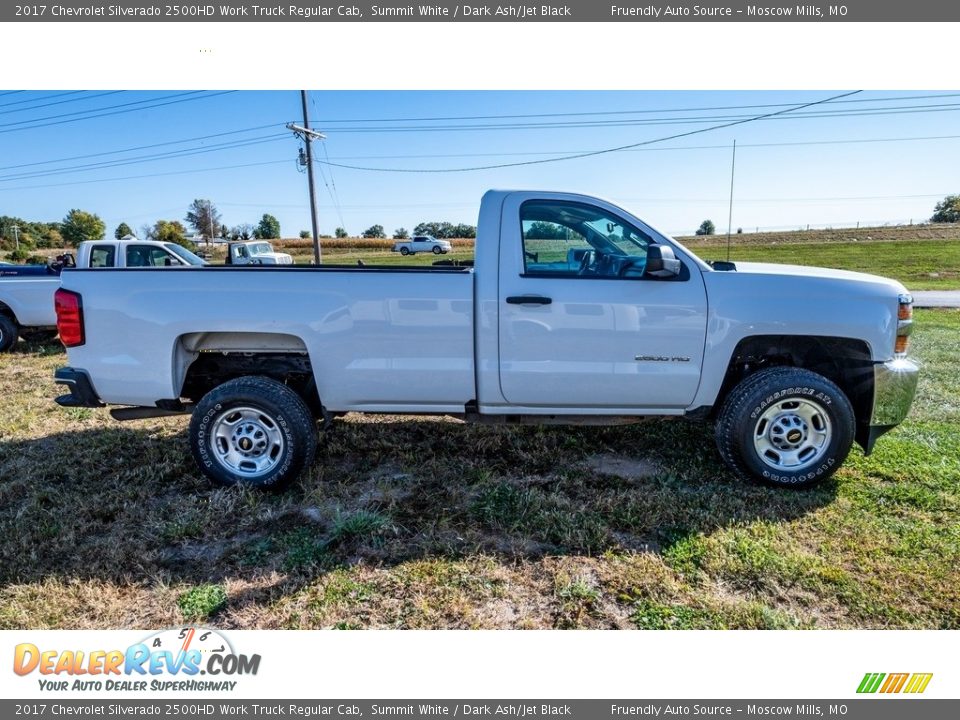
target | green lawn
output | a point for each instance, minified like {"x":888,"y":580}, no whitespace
{"x":421,"y":523}
{"x":928,"y":265}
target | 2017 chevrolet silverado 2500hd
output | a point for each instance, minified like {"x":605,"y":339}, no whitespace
{"x":575,"y":312}
{"x":26,"y":291}
{"x":422,"y":243}
{"x":257,"y":252}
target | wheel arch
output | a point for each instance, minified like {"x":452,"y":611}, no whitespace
{"x":204,"y":360}
{"x":848,"y":362}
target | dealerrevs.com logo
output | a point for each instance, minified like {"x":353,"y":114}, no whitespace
{"x":183,"y":659}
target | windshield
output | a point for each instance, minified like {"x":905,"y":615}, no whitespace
{"x":260,"y":249}
{"x":187,"y":256}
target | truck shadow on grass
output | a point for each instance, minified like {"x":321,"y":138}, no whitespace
{"x":125,"y":504}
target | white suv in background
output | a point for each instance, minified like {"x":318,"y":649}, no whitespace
{"x":422,"y":243}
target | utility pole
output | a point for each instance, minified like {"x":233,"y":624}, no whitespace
{"x":733,"y":165}
{"x":210,"y":221}
{"x":16,"y":234}
{"x":309,"y":136}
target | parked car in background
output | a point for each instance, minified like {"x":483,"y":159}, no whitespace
{"x":256,"y":252}
{"x":422,"y":243}
{"x":26,"y":291}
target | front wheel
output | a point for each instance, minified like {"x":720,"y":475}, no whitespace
{"x":404,"y":251}
{"x":252,"y":431}
{"x":785,"y":426}
{"x":437,"y":249}
{"x":8,"y":333}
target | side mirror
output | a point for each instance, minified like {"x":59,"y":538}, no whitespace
{"x":661,"y":262}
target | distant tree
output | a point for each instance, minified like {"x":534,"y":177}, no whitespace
{"x":19,"y":255}
{"x":340,"y":233}
{"x":947,"y":210}
{"x":122,"y":229}
{"x":204,"y":218}
{"x":51,"y":238}
{"x":707,"y":228}
{"x":304,"y":234}
{"x":739,"y":231}
{"x":80,"y":225}
{"x":170,"y":231}
{"x":464,"y":231}
{"x":243,"y":231}
{"x":268,"y":228}
{"x":445,"y":230}
{"x":374,"y":231}
{"x":400,"y":234}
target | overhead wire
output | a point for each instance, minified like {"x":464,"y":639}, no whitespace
{"x":603,"y":151}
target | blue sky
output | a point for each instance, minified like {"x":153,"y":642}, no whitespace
{"x":828,"y":176}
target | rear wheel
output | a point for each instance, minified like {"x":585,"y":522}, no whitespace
{"x":785,"y":426}
{"x":9,"y":333}
{"x":252,"y":431}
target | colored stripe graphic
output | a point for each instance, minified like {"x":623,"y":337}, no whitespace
{"x":918,"y":683}
{"x":894,"y":683}
{"x":870,"y":682}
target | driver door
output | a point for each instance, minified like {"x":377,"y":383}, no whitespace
{"x":580,"y":323}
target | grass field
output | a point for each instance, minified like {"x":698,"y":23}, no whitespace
{"x":415,"y":523}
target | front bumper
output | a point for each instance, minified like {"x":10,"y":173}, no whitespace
{"x":894,"y":385}
{"x":81,"y":392}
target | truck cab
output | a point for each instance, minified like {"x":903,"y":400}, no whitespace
{"x":256,"y":252}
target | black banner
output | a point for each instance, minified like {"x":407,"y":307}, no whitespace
{"x":447,"y":11}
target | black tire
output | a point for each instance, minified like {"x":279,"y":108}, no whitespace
{"x":280,"y":420}
{"x":9,"y":333}
{"x":404,"y":251}
{"x":437,"y":249}
{"x":781,"y":415}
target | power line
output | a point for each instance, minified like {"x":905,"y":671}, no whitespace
{"x":604,"y":124}
{"x":149,"y":175}
{"x":42,"y":97}
{"x":120,"y":112}
{"x":62,"y":102}
{"x":651,"y":149}
{"x":629,"y":112}
{"x":187,"y":152}
{"x":605,"y":151}
{"x":142,"y":147}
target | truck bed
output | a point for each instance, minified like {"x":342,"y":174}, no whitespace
{"x":395,"y":339}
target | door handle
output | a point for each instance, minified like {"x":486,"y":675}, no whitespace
{"x":528,"y":300}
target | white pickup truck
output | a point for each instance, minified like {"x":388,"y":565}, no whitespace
{"x":576,"y":311}
{"x":26,"y":291}
{"x":256,"y":252}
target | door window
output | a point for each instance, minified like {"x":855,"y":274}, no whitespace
{"x":575,"y":240}
{"x":149,"y":256}
{"x":102,"y":256}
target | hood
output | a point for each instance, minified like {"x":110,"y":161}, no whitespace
{"x":278,"y":257}
{"x":807,"y":271}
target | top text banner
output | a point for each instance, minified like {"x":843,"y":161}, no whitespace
{"x":448,"y":11}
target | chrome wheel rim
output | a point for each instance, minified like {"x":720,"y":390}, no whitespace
{"x":792,"y":434}
{"x":246,"y":441}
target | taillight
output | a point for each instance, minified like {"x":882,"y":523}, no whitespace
{"x":904,"y":324}
{"x":69,"y":308}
